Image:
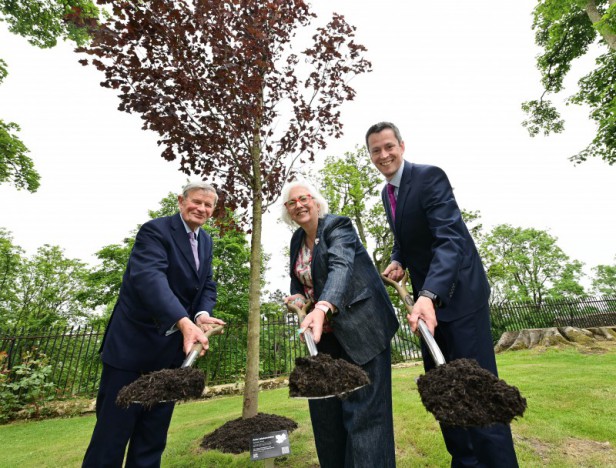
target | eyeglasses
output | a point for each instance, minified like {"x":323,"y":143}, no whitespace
{"x":303,"y":199}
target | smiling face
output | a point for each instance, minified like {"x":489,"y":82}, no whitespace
{"x":197,"y":207}
{"x":303,"y":213}
{"x":386,"y":152}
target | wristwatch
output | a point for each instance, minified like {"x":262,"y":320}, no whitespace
{"x":430,"y":295}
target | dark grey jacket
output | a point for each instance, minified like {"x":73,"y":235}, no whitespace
{"x":344,"y":275}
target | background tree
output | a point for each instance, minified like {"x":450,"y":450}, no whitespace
{"x":15,"y":166}
{"x":526,"y":265}
{"x":42,"y":22}
{"x":47,"y":291}
{"x":604,"y":281}
{"x":472,"y":219}
{"x":351,"y":185}
{"x":10,"y":263}
{"x":104,"y":280}
{"x":567,"y":30}
{"x":230,"y":99}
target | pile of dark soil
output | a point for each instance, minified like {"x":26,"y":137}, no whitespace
{"x":163,"y":385}
{"x":322,"y":375}
{"x":460,"y":393}
{"x":234,"y":436}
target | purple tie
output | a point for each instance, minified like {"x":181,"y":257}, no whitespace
{"x":392,"y":200}
{"x":193,"y":245}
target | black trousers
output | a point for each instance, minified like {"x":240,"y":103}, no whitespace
{"x":143,"y":430}
{"x":470,"y":336}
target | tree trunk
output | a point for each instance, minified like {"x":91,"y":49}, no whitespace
{"x":568,"y":336}
{"x":251,"y":383}
{"x":595,"y":16}
{"x":251,"y":387}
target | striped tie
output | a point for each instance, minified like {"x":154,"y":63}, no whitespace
{"x":193,"y":245}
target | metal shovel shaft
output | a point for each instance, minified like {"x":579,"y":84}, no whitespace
{"x":301,"y":314}
{"x":192,"y":356}
{"x":310,"y":344}
{"x":435,"y":351}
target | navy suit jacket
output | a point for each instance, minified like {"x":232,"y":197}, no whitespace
{"x":160,"y":286}
{"x":433,"y":242}
{"x":343,"y":274}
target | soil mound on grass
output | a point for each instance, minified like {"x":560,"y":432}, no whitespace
{"x":460,"y":393}
{"x":163,"y":385}
{"x":322,"y":375}
{"x":234,"y":436}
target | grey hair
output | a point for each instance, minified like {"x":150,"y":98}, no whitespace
{"x":379,"y":127}
{"x":314,"y":193}
{"x":199,"y":185}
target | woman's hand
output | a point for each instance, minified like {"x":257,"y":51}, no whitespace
{"x":297,"y":300}
{"x":314,"y":320}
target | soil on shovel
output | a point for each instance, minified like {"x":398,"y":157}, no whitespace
{"x":163,"y":385}
{"x":322,"y":375}
{"x":461,"y":393}
{"x":234,"y":436}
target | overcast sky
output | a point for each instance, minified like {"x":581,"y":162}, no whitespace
{"x":451,"y":77}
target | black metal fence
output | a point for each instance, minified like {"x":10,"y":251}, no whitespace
{"x":73,"y":355}
{"x":581,"y":313}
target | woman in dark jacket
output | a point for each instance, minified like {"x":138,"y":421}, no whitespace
{"x":352,"y":319}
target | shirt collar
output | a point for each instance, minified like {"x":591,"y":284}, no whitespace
{"x":188,"y":229}
{"x":397,"y":178}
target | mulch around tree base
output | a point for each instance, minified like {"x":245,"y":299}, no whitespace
{"x":321,"y":375}
{"x":234,"y":436}
{"x":461,"y":393}
{"x":163,"y":385}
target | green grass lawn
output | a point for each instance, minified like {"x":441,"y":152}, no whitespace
{"x":570,"y":421}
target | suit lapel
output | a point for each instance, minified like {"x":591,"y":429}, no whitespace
{"x":181,"y":240}
{"x":316,"y":270}
{"x":403,"y":190}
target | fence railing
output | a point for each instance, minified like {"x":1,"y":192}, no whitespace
{"x":581,"y":313}
{"x":72,"y":353}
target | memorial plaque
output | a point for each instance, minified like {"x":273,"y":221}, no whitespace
{"x":269,"y":445}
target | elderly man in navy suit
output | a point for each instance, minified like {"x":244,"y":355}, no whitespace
{"x":164,"y":307}
{"x":449,"y":282}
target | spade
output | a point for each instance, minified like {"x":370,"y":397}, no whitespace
{"x":168,"y":384}
{"x":319,"y":375}
{"x":461,"y":393}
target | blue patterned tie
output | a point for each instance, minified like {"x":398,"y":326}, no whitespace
{"x":193,"y":245}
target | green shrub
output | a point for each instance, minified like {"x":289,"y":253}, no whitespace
{"x":24,"y":388}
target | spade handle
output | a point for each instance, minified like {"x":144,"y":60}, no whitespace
{"x":301,"y":315}
{"x":197,"y":347}
{"x":406,"y":297}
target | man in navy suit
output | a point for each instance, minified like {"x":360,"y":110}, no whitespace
{"x":449,"y":282}
{"x":164,"y":307}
